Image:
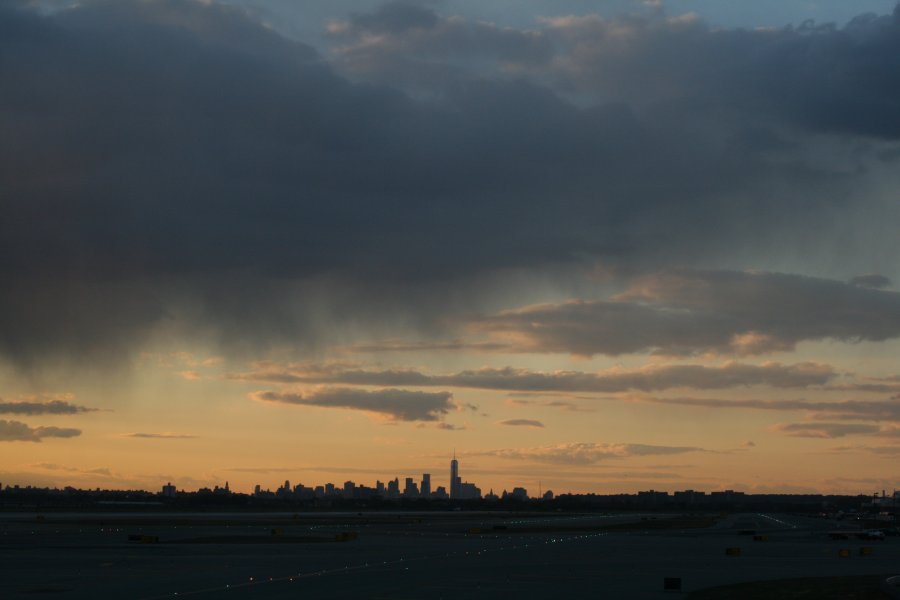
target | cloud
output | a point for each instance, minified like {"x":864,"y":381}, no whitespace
{"x":564,"y":405}
{"x":647,"y":378}
{"x":824,"y":430}
{"x":585,"y":453}
{"x":266,"y":470}
{"x":391,"y":17}
{"x":213,"y":180}
{"x":685,"y":312}
{"x":399,"y":405}
{"x":402,"y":346}
{"x":161,"y":436}
{"x":54,"y":407}
{"x":413,"y":46}
{"x":16,"y":431}
{"x":522,"y":423}
{"x":449,"y":426}
{"x":780,"y":74}
{"x":870,"y":385}
{"x":889,"y":451}
{"x":102,"y":471}
{"x":871,"y":281}
{"x":804,"y":76}
{"x":842,"y":410}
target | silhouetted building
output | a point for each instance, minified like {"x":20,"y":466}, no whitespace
{"x":410,"y":490}
{"x":349,"y":489}
{"x":652,"y":498}
{"x":468,"y":491}
{"x":364,"y":492}
{"x":393,"y":489}
{"x":454,"y":477}
{"x":285,"y":491}
{"x":688,"y":497}
{"x":168,"y":490}
{"x":725,"y":497}
{"x":425,"y":490}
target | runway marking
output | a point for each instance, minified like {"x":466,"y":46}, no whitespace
{"x":255,"y":581}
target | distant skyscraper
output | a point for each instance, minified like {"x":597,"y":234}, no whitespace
{"x":349,"y":489}
{"x":454,"y":477}
{"x":410,"y":490}
{"x":425,"y":490}
{"x":393,"y":488}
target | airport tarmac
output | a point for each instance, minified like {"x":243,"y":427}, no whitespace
{"x":413,"y":555}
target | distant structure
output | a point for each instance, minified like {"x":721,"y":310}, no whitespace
{"x":349,"y":490}
{"x":393,"y":488}
{"x":425,"y":488}
{"x":458,"y":489}
{"x":518,"y":493}
{"x":454,"y":477}
{"x":410,"y":490}
{"x":168,"y":490}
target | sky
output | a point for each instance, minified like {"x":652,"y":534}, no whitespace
{"x":588,"y":246}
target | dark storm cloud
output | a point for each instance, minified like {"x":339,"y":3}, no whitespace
{"x":392,"y":17}
{"x":54,"y":407}
{"x":648,"y":378}
{"x":400,"y":405}
{"x":872,"y":280}
{"x":690,"y":312}
{"x":176,"y":164}
{"x":822,"y":77}
{"x":403,"y":43}
{"x":16,"y":431}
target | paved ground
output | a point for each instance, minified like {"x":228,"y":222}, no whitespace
{"x":415,"y":555}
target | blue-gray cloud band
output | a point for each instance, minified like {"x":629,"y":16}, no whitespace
{"x":178,"y":164}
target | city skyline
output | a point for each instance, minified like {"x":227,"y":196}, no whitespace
{"x":596,"y":247}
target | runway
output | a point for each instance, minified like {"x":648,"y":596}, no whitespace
{"x":413,"y":555}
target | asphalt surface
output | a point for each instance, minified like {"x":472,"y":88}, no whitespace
{"x":413,"y":555}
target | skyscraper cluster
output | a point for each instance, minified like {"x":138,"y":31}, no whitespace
{"x":411,"y":489}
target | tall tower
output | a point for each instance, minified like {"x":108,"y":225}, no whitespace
{"x":454,"y":477}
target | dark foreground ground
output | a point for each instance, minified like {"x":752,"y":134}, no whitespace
{"x":425,"y":555}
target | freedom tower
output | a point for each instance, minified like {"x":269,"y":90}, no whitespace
{"x":454,"y":477}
